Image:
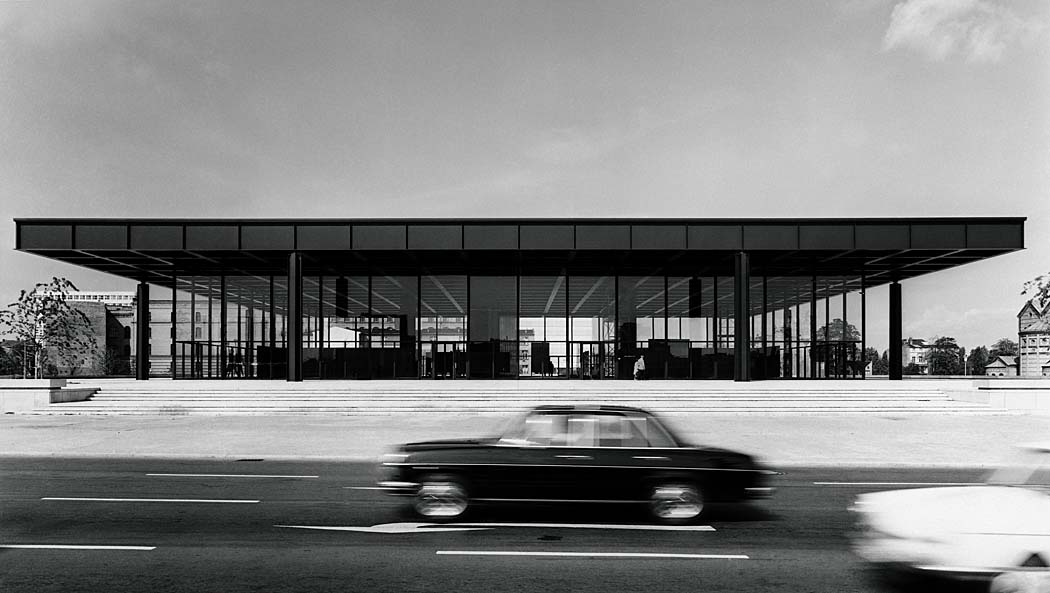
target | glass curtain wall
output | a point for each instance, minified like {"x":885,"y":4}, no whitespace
{"x":393,"y":336}
{"x":455,"y":326}
{"x":443,"y":327}
{"x":685,"y":327}
{"x":542,"y":326}
{"x":642,"y":302}
{"x":592,"y":346}
{"x":758,"y":329}
{"x":230,"y":327}
{"x":837,"y":351}
{"x":493,"y":350}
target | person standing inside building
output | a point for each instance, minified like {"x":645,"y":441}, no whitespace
{"x":639,"y":368}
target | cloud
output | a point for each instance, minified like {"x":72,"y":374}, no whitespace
{"x":977,"y":30}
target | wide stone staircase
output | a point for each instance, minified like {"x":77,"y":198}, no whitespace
{"x":166,"y":397}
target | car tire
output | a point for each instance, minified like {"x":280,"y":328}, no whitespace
{"x":676,"y":502}
{"x":441,"y":497}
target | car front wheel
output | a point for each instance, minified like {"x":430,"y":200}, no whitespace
{"x":676,"y":503}
{"x":441,"y":497}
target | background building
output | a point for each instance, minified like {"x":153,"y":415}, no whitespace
{"x":1033,"y":340}
{"x":1002,"y":366}
{"x":914,"y":351}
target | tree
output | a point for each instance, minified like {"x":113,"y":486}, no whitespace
{"x":882,"y":365}
{"x":1039,"y":288}
{"x":911,"y":369}
{"x":977,"y":360}
{"x":838,"y":348}
{"x":8,"y":366}
{"x":48,"y":328}
{"x":109,"y":362}
{"x":870,"y":355}
{"x":833,"y":332}
{"x":1002,"y":347}
{"x":945,"y":357}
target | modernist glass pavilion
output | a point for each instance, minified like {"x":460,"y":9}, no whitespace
{"x":440,"y":299}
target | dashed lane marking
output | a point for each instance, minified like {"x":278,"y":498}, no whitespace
{"x":228,"y":476}
{"x":202,"y":500}
{"x":594,"y":554}
{"x":74,"y":547}
{"x":387,"y":528}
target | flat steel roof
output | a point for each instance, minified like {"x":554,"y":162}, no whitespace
{"x":879,"y":249}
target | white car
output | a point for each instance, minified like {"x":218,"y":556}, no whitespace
{"x":977,"y":531}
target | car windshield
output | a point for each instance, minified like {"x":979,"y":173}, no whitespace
{"x":569,"y":428}
{"x":1030,"y":467}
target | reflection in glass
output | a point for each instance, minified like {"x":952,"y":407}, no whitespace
{"x":493,"y":326}
{"x":443,"y":326}
{"x":592,"y":327}
{"x":542,"y":326}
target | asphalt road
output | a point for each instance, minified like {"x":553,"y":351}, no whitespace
{"x":225,"y":529}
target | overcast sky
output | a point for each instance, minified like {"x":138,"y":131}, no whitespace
{"x":858,"y":108}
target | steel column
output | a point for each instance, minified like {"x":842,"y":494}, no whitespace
{"x":142,"y":332}
{"x":294,"y":335}
{"x":174,"y":319}
{"x":813,"y":329}
{"x":741,"y":318}
{"x":896,"y":334}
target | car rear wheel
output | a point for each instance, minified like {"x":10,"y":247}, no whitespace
{"x":676,"y":502}
{"x":441,"y":497}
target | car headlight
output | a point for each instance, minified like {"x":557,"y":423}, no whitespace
{"x":393,"y":458}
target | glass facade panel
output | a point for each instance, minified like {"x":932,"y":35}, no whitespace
{"x":837,"y":352}
{"x":493,"y":325}
{"x":394,"y":327}
{"x":315,"y":335}
{"x":443,"y":327}
{"x":459,"y":326}
{"x":685,"y":327}
{"x":724,"y":297}
{"x":642,"y":312}
{"x":542,"y":327}
{"x":592,"y":327}
{"x":346,"y":328}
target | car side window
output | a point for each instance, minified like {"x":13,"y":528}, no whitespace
{"x":536,"y":430}
{"x":653,"y":432}
{"x":618,"y":431}
{"x":580,"y":430}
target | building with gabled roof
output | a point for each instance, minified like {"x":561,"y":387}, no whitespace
{"x":1002,"y":366}
{"x":1033,"y":340}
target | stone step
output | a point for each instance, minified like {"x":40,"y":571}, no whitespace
{"x":177,"y":410}
{"x":445,"y":399}
{"x":502,"y":397}
{"x":473,"y":403}
{"x":519,"y":394}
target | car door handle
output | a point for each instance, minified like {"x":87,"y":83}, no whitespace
{"x":651,"y":458}
{"x":574,"y":457}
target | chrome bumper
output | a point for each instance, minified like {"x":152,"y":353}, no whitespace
{"x":398,"y":488}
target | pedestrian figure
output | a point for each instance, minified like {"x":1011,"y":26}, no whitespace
{"x":230,"y":367}
{"x":639,"y":368}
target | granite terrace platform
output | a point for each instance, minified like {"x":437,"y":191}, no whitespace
{"x":185,"y":397}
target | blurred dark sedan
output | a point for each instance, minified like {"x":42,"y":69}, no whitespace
{"x":591,"y":454}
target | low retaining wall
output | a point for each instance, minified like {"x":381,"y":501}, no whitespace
{"x":26,"y":395}
{"x":1020,"y":394}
